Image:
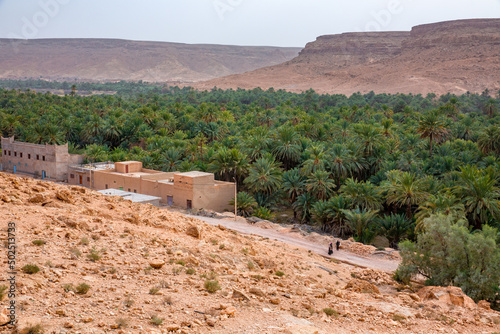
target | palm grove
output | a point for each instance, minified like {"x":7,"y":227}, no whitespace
{"x":397,"y":166}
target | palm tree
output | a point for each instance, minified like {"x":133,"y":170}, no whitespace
{"x":489,"y":140}
{"x":404,"y":189}
{"x":171,"y":160}
{"x":362,"y":194}
{"x":96,"y":153}
{"x":361,"y":223}
{"x":246,"y":204}
{"x":293,"y":184}
{"x":304,"y":204}
{"x":394,"y":227}
{"x":368,"y":137}
{"x":478,"y":192}
{"x":264,"y":176}
{"x":443,"y":203}
{"x":229,"y":164}
{"x":433,"y":127}
{"x":320,"y":185}
{"x":316,"y":161}
{"x":342,"y":163}
{"x":335,"y":207}
{"x":286,"y":147}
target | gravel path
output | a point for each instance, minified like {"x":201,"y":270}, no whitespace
{"x":242,"y":226}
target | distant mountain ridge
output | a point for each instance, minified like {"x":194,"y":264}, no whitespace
{"x":445,"y":57}
{"x":113,"y":59}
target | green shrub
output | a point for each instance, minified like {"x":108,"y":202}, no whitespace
{"x":263,"y":213}
{"x":75,"y":251}
{"x":82,"y":288}
{"x":446,"y":253}
{"x":38,"y":242}
{"x":30,"y":269}
{"x":94,"y":255}
{"x":154,"y":291}
{"x":212,"y":286}
{"x":155,"y":320}
{"x":190,"y":271}
{"x":279,"y":273}
{"x":84,"y":241}
{"x":330,"y":311}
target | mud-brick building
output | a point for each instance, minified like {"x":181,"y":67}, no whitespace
{"x":190,"y":190}
{"x":45,"y":161}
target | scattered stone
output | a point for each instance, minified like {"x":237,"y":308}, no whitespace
{"x":37,"y":198}
{"x":68,"y":325}
{"x":211,"y":322}
{"x":173,"y":328}
{"x":446,"y":295}
{"x":484,"y":305}
{"x":4,"y":319}
{"x":240,"y":295}
{"x":64,"y":195}
{"x":361,"y":286}
{"x":194,"y":231}
{"x":301,"y":329}
{"x":274,"y":301}
{"x":257,"y":292}
{"x":157,"y":264}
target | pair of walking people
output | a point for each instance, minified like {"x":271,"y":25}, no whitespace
{"x":330,"y":249}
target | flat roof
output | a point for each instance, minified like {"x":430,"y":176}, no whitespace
{"x":195,"y":174}
{"x":134,"y":197}
{"x":94,"y":166}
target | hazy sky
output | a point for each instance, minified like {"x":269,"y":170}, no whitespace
{"x":239,"y":22}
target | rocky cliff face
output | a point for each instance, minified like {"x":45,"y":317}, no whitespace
{"x":461,"y":34}
{"x":446,"y":57}
{"x":352,"y":48}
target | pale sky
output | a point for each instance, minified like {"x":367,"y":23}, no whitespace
{"x":233,"y":22}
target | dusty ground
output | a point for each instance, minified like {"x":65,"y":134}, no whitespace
{"x":112,"y":245}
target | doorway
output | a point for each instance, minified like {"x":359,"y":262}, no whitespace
{"x":170,"y":200}
{"x":81,"y":179}
{"x":189,"y":204}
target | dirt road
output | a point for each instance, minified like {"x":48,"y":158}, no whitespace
{"x":292,"y":239}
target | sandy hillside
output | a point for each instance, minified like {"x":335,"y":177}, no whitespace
{"x":78,"y":236}
{"x":112,"y":60}
{"x":455,"y":57}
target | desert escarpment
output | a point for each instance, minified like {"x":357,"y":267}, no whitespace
{"x":445,"y":57}
{"x":111,"y":60}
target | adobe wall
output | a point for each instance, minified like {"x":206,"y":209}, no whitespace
{"x":109,"y":179}
{"x":33,"y":159}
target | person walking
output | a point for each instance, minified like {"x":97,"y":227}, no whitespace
{"x":330,"y":249}
{"x":338,"y":244}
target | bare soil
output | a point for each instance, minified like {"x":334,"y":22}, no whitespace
{"x":142,"y":263}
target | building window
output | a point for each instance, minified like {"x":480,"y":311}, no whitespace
{"x":9,"y":153}
{"x":88,"y":178}
{"x":43,"y":158}
{"x":71,"y":176}
{"x":128,"y":189}
{"x":29,"y":156}
{"x":21,"y":154}
{"x":15,"y":153}
{"x":106,"y":186}
{"x":37,"y":157}
{"x":26,"y":165}
{"x":135,"y":190}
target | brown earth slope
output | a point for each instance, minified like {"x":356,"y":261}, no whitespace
{"x":455,"y":56}
{"x":140,"y":262}
{"x":109,"y":60}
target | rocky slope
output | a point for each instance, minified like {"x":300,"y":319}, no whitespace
{"x":147,"y":270}
{"x":109,"y":60}
{"x":455,"y":56}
